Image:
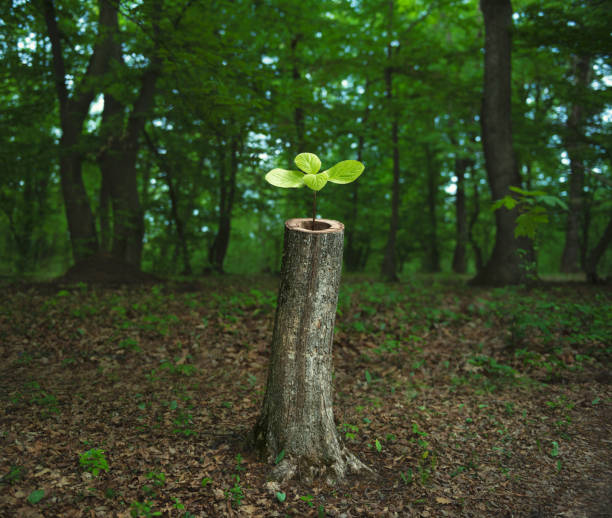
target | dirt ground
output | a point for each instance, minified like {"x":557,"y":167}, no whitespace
{"x":464,"y":401}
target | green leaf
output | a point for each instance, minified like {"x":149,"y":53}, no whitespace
{"x":523,"y":192}
{"x":345,"y":171}
{"x":279,"y":457}
{"x":316,"y":181}
{"x":285,"y":178}
{"x":555,"y":449}
{"x":36,"y":496}
{"x":368,"y":377}
{"x":378,"y":446}
{"x":280,"y":496}
{"x":308,"y":162}
{"x":507,"y":201}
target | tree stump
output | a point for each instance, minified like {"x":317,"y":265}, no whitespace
{"x":296,"y":426}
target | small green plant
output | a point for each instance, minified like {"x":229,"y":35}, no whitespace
{"x":145,"y":509}
{"x":14,"y":475}
{"x":279,"y":457}
{"x":349,"y":430}
{"x":235,"y":494}
{"x":94,"y":461}
{"x":308,"y":499}
{"x":406,"y":477}
{"x":158,"y":478}
{"x":36,"y":496}
{"x":179,"y":506}
{"x":309,"y":165}
{"x":280,"y":496}
{"x":239,"y":466}
{"x":206,"y":481}
{"x":131,"y":344}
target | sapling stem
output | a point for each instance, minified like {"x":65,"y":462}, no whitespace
{"x":314,"y":209}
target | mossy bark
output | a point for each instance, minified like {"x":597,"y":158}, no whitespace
{"x":296,"y":428}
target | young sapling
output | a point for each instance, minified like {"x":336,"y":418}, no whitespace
{"x":309,"y":164}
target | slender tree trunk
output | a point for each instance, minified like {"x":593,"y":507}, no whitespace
{"x":119,"y":157}
{"x":169,"y":176}
{"x":505,"y":265}
{"x":227,"y":191}
{"x":105,"y":214}
{"x":297,"y":422}
{"x":461,"y":226}
{"x":597,"y":253}
{"x":389,"y":264}
{"x":433,"y":254}
{"x":473,"y":219}
{"x":73,"y":111}
{"x":570,"y":260}
{"x":356,"y":250}
{"x":298,"y":112}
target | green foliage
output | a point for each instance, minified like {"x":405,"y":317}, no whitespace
{"x":93,"y":461}
{"x":14,"y":475}
{"x":533,"y":209}
{"x":235,"y":493}
{"x":343,"y":172}
{"x":144,"y":509}
{"x":308,"y":499}
{"x":36,"y":496}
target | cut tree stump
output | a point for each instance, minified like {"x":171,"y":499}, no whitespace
{"x":296,"y":428}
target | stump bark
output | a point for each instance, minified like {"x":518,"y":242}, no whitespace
{"x":296,"y":426}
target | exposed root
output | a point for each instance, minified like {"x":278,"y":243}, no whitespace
{"x":308,"y":469}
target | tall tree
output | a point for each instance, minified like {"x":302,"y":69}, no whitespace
{"x":575,"y":145}
{"x":74,"y":109}
{"x":505,"y":264}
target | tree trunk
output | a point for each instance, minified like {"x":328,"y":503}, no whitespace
{"x":73,"y":111}
{"x":570,"y":260}
{"x":504,"y":265}
{"x":357,"y":245}
{"x":389,"y":264}
{"x":473,"y":219}
{"x":170,"y":175}
{"x":461,"y":235}
{"x":297,"y":421}
{"x":227,"y":192}
{"x":597,"y":253}
{"x":433,"y":254}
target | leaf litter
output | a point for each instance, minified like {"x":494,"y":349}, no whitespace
{"x":464,"y":401}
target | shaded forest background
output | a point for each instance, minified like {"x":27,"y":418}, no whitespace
{"x":142,"y":130}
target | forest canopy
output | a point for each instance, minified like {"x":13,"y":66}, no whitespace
{"x":142,"y":130}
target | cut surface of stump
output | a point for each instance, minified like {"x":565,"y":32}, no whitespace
{"x":296,"y":426}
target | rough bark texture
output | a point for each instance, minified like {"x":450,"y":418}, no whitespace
{"x":504,"y":266}
{"x":297,"y":416}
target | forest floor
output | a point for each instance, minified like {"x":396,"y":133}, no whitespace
{"x":137,"y":400}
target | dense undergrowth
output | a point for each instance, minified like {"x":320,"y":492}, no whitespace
{"x":464,"y":401}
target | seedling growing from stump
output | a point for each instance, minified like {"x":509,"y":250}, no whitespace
{"x":309,"y":164}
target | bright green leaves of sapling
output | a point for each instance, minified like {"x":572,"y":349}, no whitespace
{"x":309,"y":175}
